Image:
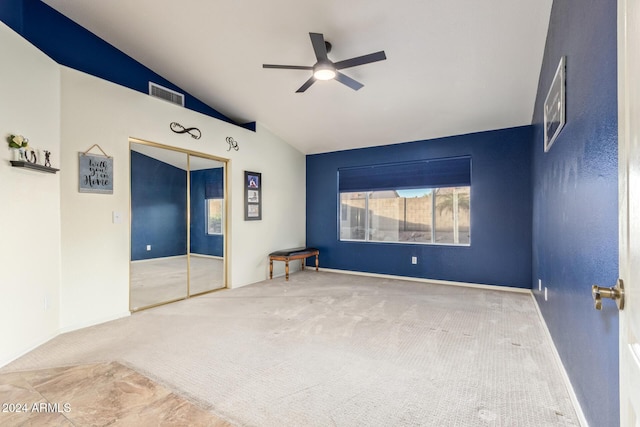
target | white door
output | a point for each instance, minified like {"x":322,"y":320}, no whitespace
{"x":629,"y":203}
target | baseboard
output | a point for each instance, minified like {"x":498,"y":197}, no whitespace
{"x":30,"y":348}
{"x":565,"y":377}
{"x":94,"y":322}
{"x":207,"y":256}
{"x":176,"y":257}
{"x":433,"y":281}
{"x":159,"y":258}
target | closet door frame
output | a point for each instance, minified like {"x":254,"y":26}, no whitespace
{"x":226,"y":207}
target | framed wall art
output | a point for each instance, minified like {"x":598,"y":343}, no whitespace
{"x":554,"y":106}
{"x":252,"y":196}
{"x":95,"y":172}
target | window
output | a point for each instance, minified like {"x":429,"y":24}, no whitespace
{"x":215,"y":210}
{"x":214,"y":201}
{"x":407,"y":202}
{"x":407,"y":216}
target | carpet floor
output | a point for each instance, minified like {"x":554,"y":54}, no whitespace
{"x":327,"y":349}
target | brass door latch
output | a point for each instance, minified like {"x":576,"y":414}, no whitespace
{"x":616,"y":293}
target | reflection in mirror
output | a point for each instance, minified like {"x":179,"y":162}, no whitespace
{"x":159,"y":271}
{"x":206,"y":258}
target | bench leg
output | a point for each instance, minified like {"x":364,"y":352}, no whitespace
{"x":316,"y":262}
{"x":303,"y":263}
{"x":286,"y":269}
{"x":270,"y":269}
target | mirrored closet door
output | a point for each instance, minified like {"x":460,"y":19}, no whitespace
{"x":206,"y":251}
{"x":177,"y":225}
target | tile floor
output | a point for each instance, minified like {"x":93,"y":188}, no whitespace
{"x":96,"y":395}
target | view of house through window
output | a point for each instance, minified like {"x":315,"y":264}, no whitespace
{"x":214,"y":216}
{"x":427,"y":215}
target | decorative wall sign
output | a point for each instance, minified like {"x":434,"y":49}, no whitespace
{"x":178,"y":128}
{"x":232,"y":144}
{"x":95,"y":172}
{"x":252,"y":196}
{"x":554,"y":106}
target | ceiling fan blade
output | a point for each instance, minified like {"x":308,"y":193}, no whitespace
{"x":306,"y":85}
{"x":346,"y":80}
{"x":361,"y":60}
{"x":319,"y":47}
{"x":287,"y":67}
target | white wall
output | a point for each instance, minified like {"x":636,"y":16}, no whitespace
{"x":30,"y":200}
{"x":95,"y":252}
{"x":61,"y":245}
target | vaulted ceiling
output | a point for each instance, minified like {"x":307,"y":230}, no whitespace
{"x":453,"y":66}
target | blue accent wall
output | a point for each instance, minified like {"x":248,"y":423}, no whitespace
{"x":500,"y":251}
{"x":11,"y":14}
{"x":158,"y":208}
{"x":575,"y":203}
{"x":74,"y":46}
{"x":201,"y":242}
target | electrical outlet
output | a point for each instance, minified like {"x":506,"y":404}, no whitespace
{"x":414,"y":260}
{"x":46,"y":303}
{"x":116,"y":217}
{"x":148,"y":247}
{"x":545,"y":293}
{"x":539,"y":285}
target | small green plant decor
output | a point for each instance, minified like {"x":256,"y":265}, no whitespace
{"x":18,"y":141}
{"x":18,"y":145}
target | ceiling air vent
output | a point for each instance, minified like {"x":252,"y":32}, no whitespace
{"x":166,"y":94}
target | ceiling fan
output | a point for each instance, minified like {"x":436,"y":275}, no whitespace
{"x":325,"y":69}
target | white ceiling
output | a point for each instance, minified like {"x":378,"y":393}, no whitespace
{"x":453,"y":66}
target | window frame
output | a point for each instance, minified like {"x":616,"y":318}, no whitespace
{"x":433,"y":208}
{"x":206,"y":225}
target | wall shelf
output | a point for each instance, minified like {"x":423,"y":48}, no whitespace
{"x":27,"y":165}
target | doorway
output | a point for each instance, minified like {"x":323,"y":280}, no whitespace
{"x":178,"y":224}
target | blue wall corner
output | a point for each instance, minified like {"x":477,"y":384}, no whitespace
{"x":250,"y":126}
{"x":71,"y":45}
{"x":201,"y":242}
{"x":500,"y":251}
{"x":575,"y":203}
{"x":11,"y":13}
{"x":158,"y":208}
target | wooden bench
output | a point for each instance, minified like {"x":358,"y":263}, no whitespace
{"x":287,"y":255}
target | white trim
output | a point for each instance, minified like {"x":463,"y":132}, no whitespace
{"x":158,"y":258}
{"x":207,"y":256}
{"x":563,"y":372}
{"x":433,"y":281}
{"x":94,"y":322}
{"x":393,"y":242}
{"x":627,"y":156}
{"x":30,"y":348}
{"x":176,"y":257}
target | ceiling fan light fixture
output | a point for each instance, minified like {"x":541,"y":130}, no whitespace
{"x":325,"y":69}
{"x":324,"y":72}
